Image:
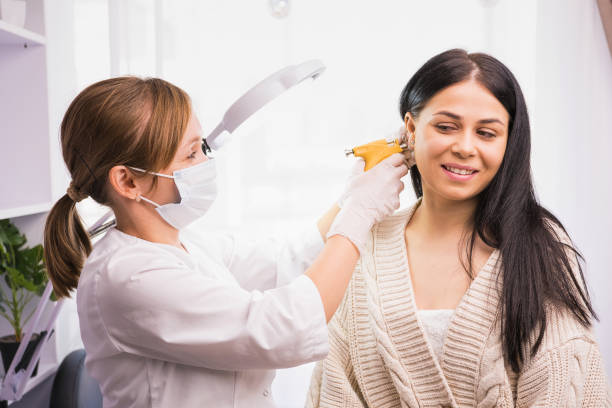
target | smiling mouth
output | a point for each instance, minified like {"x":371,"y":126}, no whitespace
{"x":461,"y":172}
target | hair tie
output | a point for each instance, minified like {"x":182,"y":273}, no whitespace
{"x":74,"y":193}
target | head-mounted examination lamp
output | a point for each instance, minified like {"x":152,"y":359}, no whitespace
{"x":259,"y":96}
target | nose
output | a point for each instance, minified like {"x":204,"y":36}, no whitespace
{"x":463,"y":146}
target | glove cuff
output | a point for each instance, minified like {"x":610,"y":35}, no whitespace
{"x":351,"y":225}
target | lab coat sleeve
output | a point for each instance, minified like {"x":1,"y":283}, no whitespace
{"x":170,"y":312}
{"x":272,"y":262}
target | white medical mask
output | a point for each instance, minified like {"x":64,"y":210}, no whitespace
{"x":198,"y":189}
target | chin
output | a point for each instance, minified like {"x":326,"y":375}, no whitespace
{"x":458,"y":193}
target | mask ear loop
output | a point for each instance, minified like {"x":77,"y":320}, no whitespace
{"x":150,"y":172}
{"x":148,"y":201}
{"x":141,"y":197}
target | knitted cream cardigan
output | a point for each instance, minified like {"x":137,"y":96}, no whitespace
{"x":379,"y":355}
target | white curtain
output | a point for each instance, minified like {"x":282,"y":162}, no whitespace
{"x":286,"y":166}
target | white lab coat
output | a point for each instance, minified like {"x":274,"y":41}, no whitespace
{"x":167,"y":328}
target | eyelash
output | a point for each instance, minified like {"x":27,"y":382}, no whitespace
{"x":445,"y":128}
{"x":488,"y":135}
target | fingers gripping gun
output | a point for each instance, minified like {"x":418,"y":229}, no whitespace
{"x":378,"y":150}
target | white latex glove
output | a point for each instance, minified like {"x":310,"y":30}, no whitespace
{"x":356,"y":171}
{"x":370,"y":197}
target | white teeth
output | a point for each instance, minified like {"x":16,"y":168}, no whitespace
{"x":459,"y":171}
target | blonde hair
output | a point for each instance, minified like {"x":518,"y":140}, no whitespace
{"x":119,"y":121}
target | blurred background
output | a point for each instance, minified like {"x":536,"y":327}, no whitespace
{"x":286,"y":166}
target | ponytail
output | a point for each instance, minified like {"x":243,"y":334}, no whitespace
{"x":66,"y":246}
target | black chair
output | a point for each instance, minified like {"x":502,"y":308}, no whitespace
{"x":73,"y":387}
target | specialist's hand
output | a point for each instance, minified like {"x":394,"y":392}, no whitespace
{"x":369,"y":197}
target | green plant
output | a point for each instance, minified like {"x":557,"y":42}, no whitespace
{"x":23,"y":270}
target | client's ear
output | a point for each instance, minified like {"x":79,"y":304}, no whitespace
{"x":409,"y":123}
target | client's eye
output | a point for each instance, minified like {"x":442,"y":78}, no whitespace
{"x":444,"y":128}
{"x":486,"y":134}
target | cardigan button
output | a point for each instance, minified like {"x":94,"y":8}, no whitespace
{"x":266,"y":393}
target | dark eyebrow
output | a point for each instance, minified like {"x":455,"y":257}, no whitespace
{"x":485,"y":121}
{"x":451,"y":115}
{"x":457,"y":117}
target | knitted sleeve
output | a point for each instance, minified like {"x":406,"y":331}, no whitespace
{"x":568,"y":375}
{"x":333,"y":382}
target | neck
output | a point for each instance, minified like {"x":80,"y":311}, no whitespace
{"x":437,"y":216}
{"x":147,"y":225}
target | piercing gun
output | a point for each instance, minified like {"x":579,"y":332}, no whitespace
{"x":378,"y":150}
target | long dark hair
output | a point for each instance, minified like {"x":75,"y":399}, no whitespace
{"x":540,"y":264}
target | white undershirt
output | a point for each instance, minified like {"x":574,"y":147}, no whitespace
{"x":435,"y":322}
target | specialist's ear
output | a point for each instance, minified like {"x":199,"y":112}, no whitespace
{"x":125,"y":183}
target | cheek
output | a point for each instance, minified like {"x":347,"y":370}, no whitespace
{"x":173,"y":191}
{"x":430,"y":147}
{"x":493,"y":154}
{"x":166,"y":190}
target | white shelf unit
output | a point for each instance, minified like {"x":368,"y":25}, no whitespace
{"x":13,"y":35}
{"x":25,"y":154}
{"x":26,"y":141}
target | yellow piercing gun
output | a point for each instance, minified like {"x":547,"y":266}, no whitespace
{"x":378,"y":150}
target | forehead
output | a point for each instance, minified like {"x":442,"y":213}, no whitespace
{"x":468,"y":99}
{"x":193,"y":133}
